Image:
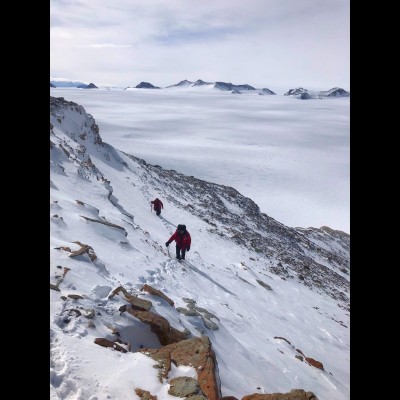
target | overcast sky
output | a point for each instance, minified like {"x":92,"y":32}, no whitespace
{"x":265,"y":43}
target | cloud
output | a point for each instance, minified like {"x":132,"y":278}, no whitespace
{"x":281,"y":42}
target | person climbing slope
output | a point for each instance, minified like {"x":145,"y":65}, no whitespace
{"x":157,"y":205}
{"x":183,"y":241}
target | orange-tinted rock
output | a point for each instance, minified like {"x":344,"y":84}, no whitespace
{"x":108,"y":343}
{"x":295,"y":394}
{"x":314,"y":363}
{"x":158,"y":293}
{"x":145,"y":395}
{"x":159,"y":325}
{"x":196,"y":352}
{"x":136,"y":302}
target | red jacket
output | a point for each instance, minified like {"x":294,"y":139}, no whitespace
{"x":182,"y":240}
{"x":158,"y":205}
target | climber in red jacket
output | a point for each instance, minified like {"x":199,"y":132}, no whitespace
{"x":183,"y":241}
{"x":158,"y":205}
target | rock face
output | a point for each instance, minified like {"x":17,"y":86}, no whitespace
{"x":198,"y":353}
{"x":91,"y":86}
{"x":156,"y":292}
{"x":183,"y":386}
{"x":295,"y":394}
{"x":159,"y":325}
{"x":146,"y":85}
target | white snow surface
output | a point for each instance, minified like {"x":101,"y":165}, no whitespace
{"x":292,"y":157}
{"x":219,"y":275}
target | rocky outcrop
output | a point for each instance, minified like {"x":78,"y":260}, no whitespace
{"x":100,"y":221}
{"x":295,"y":394}
{"x":314,"y":363}
{"x":159,"y":325}
{"x":108,"y":343}
{"x":195,"y":352}
{"x":183,"y":386}
{"x":145,"y":395}
{"x":205,"y":315}
{"x":136,"y":302}
{"x":155,"y":292}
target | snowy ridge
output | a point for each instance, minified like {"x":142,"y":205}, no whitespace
{"x":261,"y":290}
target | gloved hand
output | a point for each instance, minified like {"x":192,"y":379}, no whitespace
{"x":167,"y":244}
{"x":188,"y":248}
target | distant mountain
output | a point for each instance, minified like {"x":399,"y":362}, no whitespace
{"x":334,"y":92}
{"x":295,"y":92}
{"x":225,"y":86}
{"x":184,"y":83}
{"x":51,"y":85}
{"x":304,"y":94}
{"x":199,"y":82}
{"x":267,"y":91}
{"x":230,"y":86}
{"x":67,"y":83}
{"x":90,"y":86}
{"x":146,"y":85}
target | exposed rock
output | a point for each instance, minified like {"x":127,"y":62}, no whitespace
{"x":136,"y":302}
{"x":156,"y":292}
{"x":299,"y":357}
{"x":51,"y":85}
{"x":85,"y":248}
{"x":91,"y":86}
{"x":145,"y":395}
{"x":183,"y":386}
{"x":108,"y":343}
{"x":295,"y":394}
{"x":229,"y":398}
{"x":314,"y":363}
{"x":196,"y":397}
{"x":205,"y":315}
{"x":54,"y":287}
{"x":100,"y":221}
{"x":75,"y":296}
{"x":263,"y":284}
{"x":196,"y":352}
{"x":159,"y":325}
{"x":280,"y":337}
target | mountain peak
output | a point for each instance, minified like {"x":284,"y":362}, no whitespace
{"x":146,"y":85}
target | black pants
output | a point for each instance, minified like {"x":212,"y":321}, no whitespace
{"x":178,"y":253}
{"x":158,"y":212}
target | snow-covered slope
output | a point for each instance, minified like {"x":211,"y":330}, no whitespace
{"x":267,"y":296}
